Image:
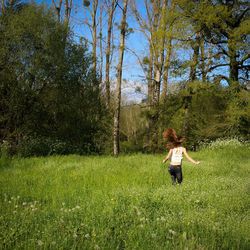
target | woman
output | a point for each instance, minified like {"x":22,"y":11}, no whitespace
{"x":176,"y":154}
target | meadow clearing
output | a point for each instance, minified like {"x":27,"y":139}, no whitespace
{"x":102,"y":202}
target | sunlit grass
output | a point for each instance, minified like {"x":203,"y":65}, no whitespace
{"x":101,"y":202}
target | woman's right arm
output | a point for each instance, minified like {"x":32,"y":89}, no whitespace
{"x":168,"y":156}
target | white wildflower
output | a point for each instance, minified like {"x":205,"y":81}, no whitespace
{"x":172,"y":232}
{"x":97,"y":247}
{"x":40,"y":243}
{"x":163,"y":219}
{"x":143,"y":219}
{"x":137,"y":211}
{"x":153,"y":235}
{"x":86,"y":236}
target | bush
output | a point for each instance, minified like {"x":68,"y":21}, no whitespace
{"x":44,"y":146}
{"x":5,"y":148}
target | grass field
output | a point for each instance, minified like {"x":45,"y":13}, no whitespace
{"x":101,"y":202}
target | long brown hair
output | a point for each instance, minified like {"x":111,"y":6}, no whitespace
{"x":173,"y":139}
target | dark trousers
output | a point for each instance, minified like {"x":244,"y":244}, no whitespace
{"x":176,"y":173}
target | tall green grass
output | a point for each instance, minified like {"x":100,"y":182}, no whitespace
{"x":101,"y":202}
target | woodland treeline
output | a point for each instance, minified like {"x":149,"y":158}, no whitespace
{"x":61,"y":93}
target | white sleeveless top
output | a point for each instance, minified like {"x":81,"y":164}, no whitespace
{"x":177,"y":155}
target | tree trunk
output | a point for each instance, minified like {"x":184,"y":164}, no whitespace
{"x":58,"y":10}
{"x":100,"y":40}
{"x":3,"y":6}
{"x":107,"y":83}
{"x":194,"y":63}
{"x":203,"y":72}
{"x":166,"y":69}
{"x":119,"y":81}
{"x":95,"y":3}
{"x":192,"y":77}
{"x":68,"y":6}
{"x":150,"y":75}
{"x":159,"y":13}
{"x":168,"y":55}
{"x":156,"y":16}
{"x":234,"y":71}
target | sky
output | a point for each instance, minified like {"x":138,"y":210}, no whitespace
{"x":132,"y":73}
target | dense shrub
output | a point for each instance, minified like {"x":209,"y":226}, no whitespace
{"x":43,"y":146}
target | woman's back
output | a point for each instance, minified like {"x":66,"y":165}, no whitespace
{"x":177,"y":155}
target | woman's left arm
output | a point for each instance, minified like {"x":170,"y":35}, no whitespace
{"x":189,"y":158}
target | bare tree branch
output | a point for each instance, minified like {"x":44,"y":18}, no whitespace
{"x":217,"y":66}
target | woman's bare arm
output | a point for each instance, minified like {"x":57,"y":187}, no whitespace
{"x":168,"y":156}
{"x":189,"y":158}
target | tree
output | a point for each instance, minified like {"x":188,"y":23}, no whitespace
{"x":224,"y":24}
{"x":46,"y":88}
{"x":119,"y":78}
{"x":111,"y":8}
{"x":93,"y":27}
{"x":170,"y":15}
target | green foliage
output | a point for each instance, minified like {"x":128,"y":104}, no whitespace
{"x":238,"y":116}
{"x":208,"y":110}
{"x":128,"y":202}
{"x":212,"y":112}
{"x":46,"y":86}
{"x":132,"y":129}
{"x":5,"y":159}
